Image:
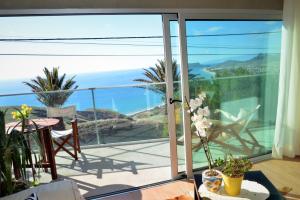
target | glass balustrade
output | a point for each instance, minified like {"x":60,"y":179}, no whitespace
{"x":105,"y":115}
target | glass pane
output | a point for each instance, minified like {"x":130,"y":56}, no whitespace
{"x":121,"y":119}
{"x":82,"y":100}
{"x":121,"y":111}
{"x":237,"y":64}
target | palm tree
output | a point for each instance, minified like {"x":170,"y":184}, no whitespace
{"x":52,"y":82}
{"x":157,"y":74}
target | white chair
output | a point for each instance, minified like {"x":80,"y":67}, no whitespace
{"x":61,"y":135}
{"x":235,"y":128}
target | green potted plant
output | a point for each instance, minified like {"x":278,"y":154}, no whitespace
{"x":15,"y":156}
{"x":233,"y":170}
{"x":211,"y":178}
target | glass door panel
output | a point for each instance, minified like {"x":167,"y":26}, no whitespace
{"x":236,"y":63}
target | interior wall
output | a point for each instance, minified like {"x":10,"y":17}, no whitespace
{"x":142,"y":4}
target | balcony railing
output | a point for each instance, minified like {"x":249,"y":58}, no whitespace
{"x":136,"y":115}
{"x":128,"y":113}
{"x":114,"y":114}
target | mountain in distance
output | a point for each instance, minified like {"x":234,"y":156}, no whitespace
{"x":261,"y":60}
{"x":257,"y":64}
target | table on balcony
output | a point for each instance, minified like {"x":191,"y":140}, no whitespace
{"x":43,"y":126}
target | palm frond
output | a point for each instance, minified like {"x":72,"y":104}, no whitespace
{"x":52,"y":82}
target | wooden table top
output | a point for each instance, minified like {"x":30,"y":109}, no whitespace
{"x":41,"y":123}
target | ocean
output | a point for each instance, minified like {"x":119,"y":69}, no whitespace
{"x":125,"y":100}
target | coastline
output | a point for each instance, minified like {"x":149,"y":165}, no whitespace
{"x":206,"y":69}
{"x":144,"y":110}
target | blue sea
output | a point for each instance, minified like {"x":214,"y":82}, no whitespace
{"x":126,"y":100}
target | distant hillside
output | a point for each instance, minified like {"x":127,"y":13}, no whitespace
{"x":83,"y":116}
{"x":256,"y":65}
{"x":259,"y":64}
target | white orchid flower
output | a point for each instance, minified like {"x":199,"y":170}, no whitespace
{"x":203,"y":123}
{"x":196,"y":117}
{"x":203,"y":111}
{"x":199,"y":125}
{"x":206,"y":111}
{"x":195,"y":103}
{"x":199,"y":119}
{"x":206,"y":123}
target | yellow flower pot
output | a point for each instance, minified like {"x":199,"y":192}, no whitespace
{"x":232,"y":185}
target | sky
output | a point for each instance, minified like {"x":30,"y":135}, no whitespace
{"x":24,"y":67}
{"x":16,"y":67}
{"x":231,"y":47}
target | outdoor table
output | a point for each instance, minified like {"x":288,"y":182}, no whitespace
{"x":256,"y":176}
{"x":44,"y":128}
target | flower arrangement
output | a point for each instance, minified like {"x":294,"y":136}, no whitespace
{"x":211,"y":178}
{"x":233,"y":169}
{"x":24,"y":113}
{"x":201,"y":122}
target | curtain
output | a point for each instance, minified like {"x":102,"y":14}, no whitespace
{"x":287,"y":130}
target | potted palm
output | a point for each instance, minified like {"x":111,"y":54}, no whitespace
{"x":211,"y":178}
{"x":233,"y":171}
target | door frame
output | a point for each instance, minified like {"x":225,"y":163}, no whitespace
{"x":166,"y":19}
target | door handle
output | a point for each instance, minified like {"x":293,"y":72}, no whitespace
{"x":171,"y":101}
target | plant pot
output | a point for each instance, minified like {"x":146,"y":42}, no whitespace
{"x":212,"y":182}
{"x":232,"y":185}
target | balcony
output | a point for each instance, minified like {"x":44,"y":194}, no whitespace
{"x":123,"y":140}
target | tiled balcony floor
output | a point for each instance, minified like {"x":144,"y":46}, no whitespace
{"x":106,"y":169}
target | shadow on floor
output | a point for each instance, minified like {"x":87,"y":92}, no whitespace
{"x":94,"y":190}
{"x":97,"y":166}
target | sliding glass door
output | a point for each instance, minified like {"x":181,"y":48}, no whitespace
{"x":134,"y":78}
{"x":236,"y":63}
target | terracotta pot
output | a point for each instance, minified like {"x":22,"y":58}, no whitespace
{"x":232,"y":185}
{"x":212,"y":183}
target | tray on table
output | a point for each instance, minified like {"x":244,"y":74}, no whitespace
{"x":249,"y":190}
{"x":255,"y":176}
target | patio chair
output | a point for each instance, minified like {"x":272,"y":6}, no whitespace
{"x":237,"y":125}
{"x":62,"y":136}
